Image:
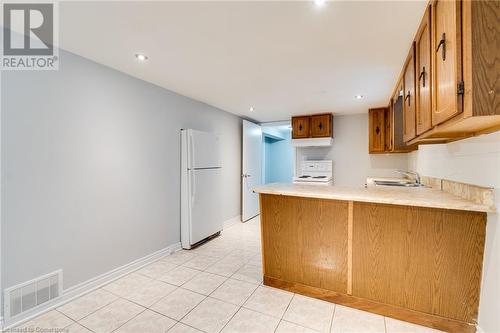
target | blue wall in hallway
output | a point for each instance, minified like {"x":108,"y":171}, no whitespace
{"x":278,"y":159}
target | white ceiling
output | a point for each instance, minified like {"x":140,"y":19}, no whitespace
{"x":283,"y":58}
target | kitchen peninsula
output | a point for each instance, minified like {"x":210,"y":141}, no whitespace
{"x":414,"y":254}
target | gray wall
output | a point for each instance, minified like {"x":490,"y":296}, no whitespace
{"x":90,"y":169}
{"x":349,"y":152}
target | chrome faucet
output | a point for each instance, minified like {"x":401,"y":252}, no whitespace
{"x":411,"y":174}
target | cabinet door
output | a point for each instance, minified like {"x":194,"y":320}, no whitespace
{"x":300,"y":127}
{"x":446,"y":60}
{"x":423,"y":65}
{"x":409,"y":129}
{"x":321,"y":125}
{"x":376,"y":130}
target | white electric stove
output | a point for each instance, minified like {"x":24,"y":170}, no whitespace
{"x":315,"y":172}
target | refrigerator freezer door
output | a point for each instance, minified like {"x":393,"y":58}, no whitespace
{"x":205,"y":202}
{"x":204,"y":150}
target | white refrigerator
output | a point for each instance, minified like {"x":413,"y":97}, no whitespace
{"x":200,"y":187}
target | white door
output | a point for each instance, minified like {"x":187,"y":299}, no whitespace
{"x":251,"y":169}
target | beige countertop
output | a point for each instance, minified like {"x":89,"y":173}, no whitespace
{"x":420,"y":197}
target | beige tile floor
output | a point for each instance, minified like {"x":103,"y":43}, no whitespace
{"x":214,"y":288}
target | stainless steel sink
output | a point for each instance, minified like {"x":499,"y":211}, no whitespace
{"x":396,"y":183}
{"x":411,"y":179}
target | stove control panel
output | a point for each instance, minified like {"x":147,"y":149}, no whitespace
{"x":315,"y":171}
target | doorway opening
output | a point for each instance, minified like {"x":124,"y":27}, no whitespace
{"x":267,"y":157}
{"x":277,"y":153}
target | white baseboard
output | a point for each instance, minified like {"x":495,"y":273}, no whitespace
{"x":232,"y":221}
{"x":88,"y":286}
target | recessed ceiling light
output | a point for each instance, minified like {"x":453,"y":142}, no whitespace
{"x":319,"y":3}
{"x":251,"y":109}
{"x":141,"y":57}
{"x":358,"y":96}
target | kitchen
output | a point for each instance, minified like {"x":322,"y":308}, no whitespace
{"x":394,"y":247}
{"x":328,"y":182}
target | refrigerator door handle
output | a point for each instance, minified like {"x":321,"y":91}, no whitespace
{"x":193,"y":186}
{"x":191,"y":151}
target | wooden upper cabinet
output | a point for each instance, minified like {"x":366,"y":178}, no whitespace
{"x":481,"y":58}
{"x":455,"y":79}
{"x":321,"y":125}
{"x":377,"y":130}
{"x":301,"y":127}
{"x":385,"y":128}
{"x":409,"y":128}
{"x":446,"y":60}
{"x":312,"y":126}
{"x":423,"y":70}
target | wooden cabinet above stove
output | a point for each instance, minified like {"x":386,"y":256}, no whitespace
{"x":312,"y":126}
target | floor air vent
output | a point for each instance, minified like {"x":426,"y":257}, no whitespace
{"x":28,"y":295}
